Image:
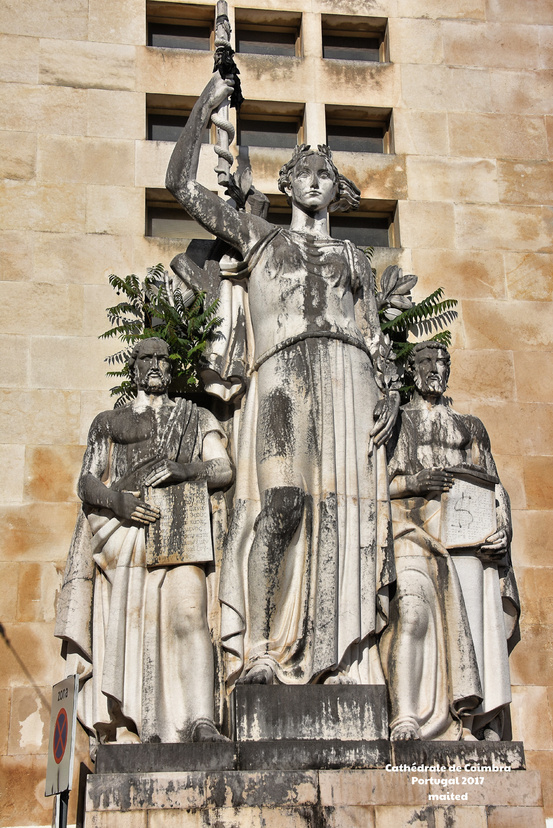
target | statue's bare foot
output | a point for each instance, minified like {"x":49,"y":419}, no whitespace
{"x":258,"y":674}
{"x":405,"y":731}
{"x":205,"y":731}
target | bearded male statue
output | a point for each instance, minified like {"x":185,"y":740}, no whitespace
{"x":136,"y":626}
{"x":445,"y":651}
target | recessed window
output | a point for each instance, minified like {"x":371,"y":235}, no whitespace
{"x":358,"y":129}
{"x":353,"y":38}
{"x":267,"y":32}
{"x":165,"y":218}
{"x":364,"y":229}
{"x":166,"y":115}
{"x":250,"y":41}
{"x":179,"y":26}
{"x":280,"y":212}
{"x":269,"y":124}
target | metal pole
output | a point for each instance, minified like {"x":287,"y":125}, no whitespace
{"x":61,"y":807}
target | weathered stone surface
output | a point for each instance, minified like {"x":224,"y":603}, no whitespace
{"x":369,"y":787}
{"x":65,"y":259}
{"x":50,"y":355}
{"x":39,"y":416}
{"x":86,"y":160}
{"x":147,"y":758}
{"x":118,"y":211}
{"x":501,"y":325}
{"x":133,"y":792}
{"x":51,"y":472}
{"x":534,"y":656}
{"x":32,"y":531}
{"x":29,"y":720}
{"x":525,"y":183}
{"x":66,"y":19}
{"x":58,"y":110}
{"x":482,"y":375}
{"x":310,"y":754}
{"x":82,"y":64}
{"x":131,"y":820}
{"x":529,"y":275}
{"x":32,"y":650}
{"x":162,"y":70}
{"x":426,"y":224}
{"x":350,"y":816}
{"x":337,"y":81}
{"x":452,"y":179}
{"x":528,"y":93}
{"x":17,"y":155}
{"x":510,"y":470}
{"x":490,"y":135}
{"x":443,"y":88}
{"x":533,"y":530}
{"x":514,"y":817}
{"x":51,"y":207}
{"x":383,"y":177}
{"x":431,"y":816}
{"x":420,"y":133}
{"x":539,"y":12}
{"x":538,"y":481}
{"x":38,"y":587}
{"x":311,"y":712}
{"x":534,"y":381}
{"x":41,"y":308}
{"x":470,"y":43}
{"x":484,"y":754}
{"x":505,"y":420}
{"x":471,"y":9}
{"x":92,"y":402}
{"x":14,"y":353}
{"x":530,"y":713}
{"x":462,"y":274}
{"x":5,"y":697}
{"x":123,"y":23}
{"x":9,"y":573}
{"x":503,"y":227}
{"x":114,"y":114}
{"x":517,"y":788}
{"x":16,"y":256}
{"x":415,"y":40}
{"x":22,"y":790}
{"x":18,"y":59}
{"x":541,"y":760}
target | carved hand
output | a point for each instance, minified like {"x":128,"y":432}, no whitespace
{"x":128,"y":506}
{"x":495,"y":546}
{"x":385,"y":414}
{"x":166,"y":471}
{"x":431,"y":480}
{"x":219,"y":89}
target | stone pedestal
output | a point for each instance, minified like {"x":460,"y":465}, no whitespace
{"x":291,"y":777}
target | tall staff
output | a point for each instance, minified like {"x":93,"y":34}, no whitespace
{"x":225,"y":65}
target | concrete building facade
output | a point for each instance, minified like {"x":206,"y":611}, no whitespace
{"x":457,"y":96}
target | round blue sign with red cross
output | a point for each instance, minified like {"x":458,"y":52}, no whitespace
{"x":60,"y":735}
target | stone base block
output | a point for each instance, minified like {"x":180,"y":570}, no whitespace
{"x":314,"y":799}
{"x":314,"y":711}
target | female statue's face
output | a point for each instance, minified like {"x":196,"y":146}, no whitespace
{"x":312,"y":184}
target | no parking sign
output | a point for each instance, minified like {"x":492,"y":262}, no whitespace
{"x":63,"y":718}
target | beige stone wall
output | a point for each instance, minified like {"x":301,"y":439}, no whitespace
{"x":472,"y":102}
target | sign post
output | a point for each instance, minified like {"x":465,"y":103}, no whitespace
{"x":61,"y":748}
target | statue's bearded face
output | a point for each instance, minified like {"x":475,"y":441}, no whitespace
{"x":313,"y":185}
{"x":431,"y":372}
{"x":152,"y":368}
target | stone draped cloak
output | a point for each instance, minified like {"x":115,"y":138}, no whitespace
{"x":111,"y":609}
{"x":323,"y":377}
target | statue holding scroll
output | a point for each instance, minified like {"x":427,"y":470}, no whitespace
{"x":445,"y":651}
{"x":133,"y":604}
{"x":308,"y":559}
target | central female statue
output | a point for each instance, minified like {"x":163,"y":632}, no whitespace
{"x":308,"y":556}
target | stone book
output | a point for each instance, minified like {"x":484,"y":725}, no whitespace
{"x":183,"y":532}
{"x":468,"y":510}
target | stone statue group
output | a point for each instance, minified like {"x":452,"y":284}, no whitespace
{"x":362,"y":543}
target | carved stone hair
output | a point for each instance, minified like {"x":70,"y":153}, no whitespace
{"x":138,"y":346}
{"x":423,"y":346}
{"x":348,"y":196}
